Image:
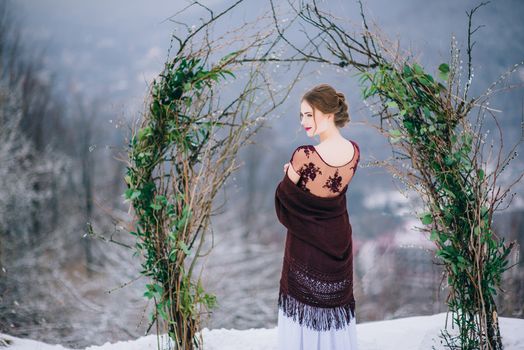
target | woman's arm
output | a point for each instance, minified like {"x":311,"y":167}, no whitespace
{"x":291,"y":173}
{"x":292,"y":167}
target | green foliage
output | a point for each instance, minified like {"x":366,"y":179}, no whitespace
{"x":443,"y":71}
{"x":426,"y":218}
{"x":459,"y":221}
{"x":164,"y":219}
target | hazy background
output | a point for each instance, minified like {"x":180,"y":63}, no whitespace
{"x":83,"y":69}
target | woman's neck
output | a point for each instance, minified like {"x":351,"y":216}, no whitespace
{"x":330,"y":134}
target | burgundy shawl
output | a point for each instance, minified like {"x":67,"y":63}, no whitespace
{"x":316,"y":285}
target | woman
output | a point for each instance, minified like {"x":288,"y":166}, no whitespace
{"x":316,"y":307}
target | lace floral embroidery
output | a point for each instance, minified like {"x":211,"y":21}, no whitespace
{"x":320,"y":178}
{"x":333,"y":183}
{"x":308,"y":172}
{"x":307,"y":149}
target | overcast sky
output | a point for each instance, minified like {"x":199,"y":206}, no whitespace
{"x":113,"y":48}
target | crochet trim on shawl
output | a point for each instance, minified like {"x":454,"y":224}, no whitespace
{"x":317,"y":318}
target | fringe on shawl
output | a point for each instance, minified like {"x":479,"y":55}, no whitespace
{"x":317,"y":318}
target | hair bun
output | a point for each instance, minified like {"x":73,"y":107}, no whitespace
{"x":342,"y":117}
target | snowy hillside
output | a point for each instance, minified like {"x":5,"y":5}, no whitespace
{"x":413,"y":333}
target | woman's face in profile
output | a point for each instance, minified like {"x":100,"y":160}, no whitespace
{"x":308,"y":123}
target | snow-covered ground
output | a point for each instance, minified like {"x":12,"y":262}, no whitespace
{"x":421,"y":332}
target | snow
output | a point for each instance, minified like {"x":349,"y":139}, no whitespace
{"x":412,"y":333}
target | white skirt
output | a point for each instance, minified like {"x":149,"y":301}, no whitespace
{"x":293,"y":336}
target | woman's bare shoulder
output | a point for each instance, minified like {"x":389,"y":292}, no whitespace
{"x":338,"y":151}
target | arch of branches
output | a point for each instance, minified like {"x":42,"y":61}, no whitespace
{"x":184,"y":150}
